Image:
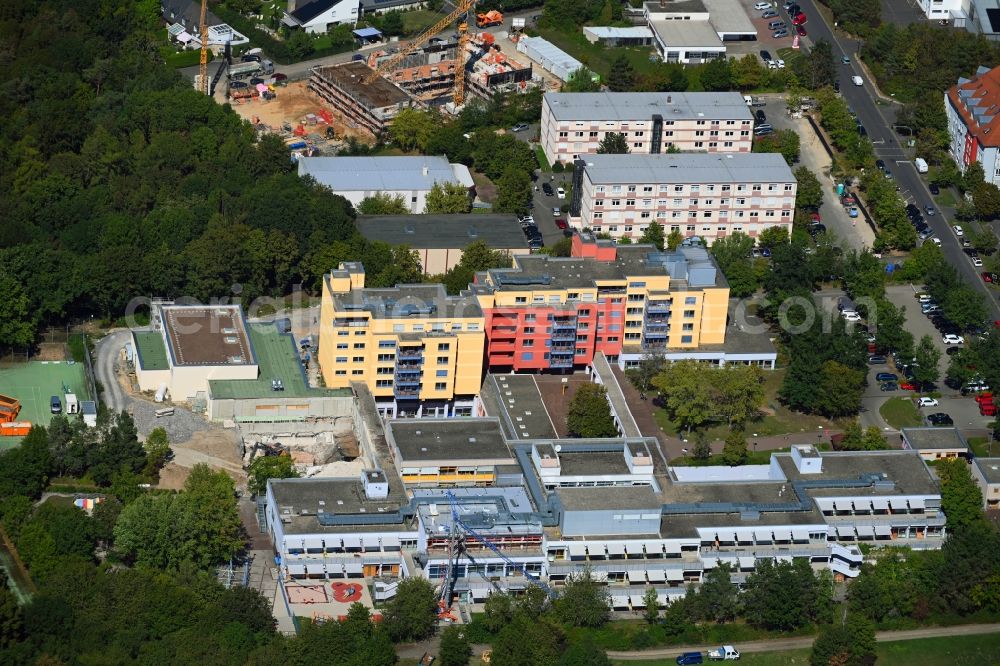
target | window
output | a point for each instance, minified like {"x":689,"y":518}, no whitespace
{"x":688,"y":327}
{"x":358,"y":359}
{"x":357,"y":372}
{"x":383,"y":383}
{"x":342,"y":334}
{"x":527,"y":356}
{"x":440,"y":386}
{"x":340,"y":373}
{"x":359,"y":345}
{"x":384,"y":371}
{"x":341,"y":345}
{"x":529,"y":317}
{"x":418,"y":327}
{"x":442,"y":360}
{"x":386,"y":358}
{"x":699,"y":144}
{"x":688,"y":314}
{"x":528,"y":343}
{"x":686,"y":339}
{"x":341,"y":359}
{"x":387,"y":344}
{"x":444,"y":346}
{"x":398,"y":328}
{"x":442,"y":373}
{"x":528,"y":330}
{"x":690,"y":300}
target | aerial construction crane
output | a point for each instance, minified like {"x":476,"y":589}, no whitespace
{"x":456,"y":545}
{"x":203,"y":62}
{"x":462,"y":8}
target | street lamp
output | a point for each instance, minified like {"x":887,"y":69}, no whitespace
{"x":819,"y":436}
{"x":755,"y":443}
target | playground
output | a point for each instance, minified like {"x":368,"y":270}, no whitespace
{"x":33,"y":383}
{"x":325,"y":600}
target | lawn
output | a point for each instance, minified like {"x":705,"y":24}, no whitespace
{"x":543,"y":162}
{"x":598,"y":58}
{"x":179,"y":59}
{"x":419,"y":20}
{"x":946,"y":198}
{"x":900,"y":413}
{"x":981,"y":447}
{"x":777,"y":420}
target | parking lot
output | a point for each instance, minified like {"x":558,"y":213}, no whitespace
{"x":918,"y":324}
{"x":543,"y":205}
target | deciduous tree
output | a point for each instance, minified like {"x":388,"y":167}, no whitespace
{"x":584,"y":602}
{"x":590,"y":414}
{"x":412,"y":614}
{"x":613,"y":143}
{"x":448,"y":198}
{"x":383,"y":203}
{"x":653,"y":235}
{"x":455,"y":649}
{"x":269,"y":467}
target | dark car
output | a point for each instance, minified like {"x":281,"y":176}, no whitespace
{"x":950,"y":351}
{"x":536,"y":243}
{"x":935,"y":190}
{"x":357,"y":57}
{"x":765,"y":56}
{"x":547,"y":189}
{"x":940,"y":419}
{"x":880,"y":165}
{"x":816,"y":229}
{"x":250,"y":57}
{"x":761,"y":117}
{"x":836,"y":86}
{"x":889,"y":387}
{"x":690,"y":658}
{"x":800,"y":30}
{"x":863,"y":132}
{"x":886,"y":377}
{"x":55,"y":405}
{"x":255,"y":81}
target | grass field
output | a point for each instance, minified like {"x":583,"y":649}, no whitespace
{"x":33,"y":383}
{"x":900,"y":413}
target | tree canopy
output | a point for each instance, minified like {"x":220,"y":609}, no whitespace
{"x":590,"y":414}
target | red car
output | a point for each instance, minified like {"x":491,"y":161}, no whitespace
{"x":800,"y":19}
{"x":561,"y":223}
{"x":908,"y":386}
{"x":801,"y":30}
{"x":815,"y":218}
{"x":987,"y":277}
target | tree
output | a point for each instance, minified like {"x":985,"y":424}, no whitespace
{"x":621,"y":78}
{"x":748,"y":73}
{"x":986,"y":199}
{"x":17,"y":322}
{"x":717,"y":596}
{"x":734,"y":451}
{"x":674,"y":239}
{"x":584,"y":652}
{"x":383,"y":203}
{"x":11,"y":618}
{"x":872,"y":440}
{"x":737,"y":391}
{"x":498,"y":611}
{"x":772,"y":237}
{"x":652,"y":603}
{"x":269,"y":467}
{"x":412,"y":128}
{"x":528,"y":643}
{"x":702,"y":449}
{"x":822,"y":70}
{"x":850,"y":644}
{"x":925,"y":370}
{"x":392,"y":23}
{"x":715,"y":75}
{"x":784,"y":595}
{"x":613,"y":143}
{"x":964,"y":307}
{"x":412,"y":614}
{"x":157,"y":447}
{"x":961,"y":499}
{"x":584,"y":602}
{"x":590,"y":414}
{"x":582,"y":80}
{"x":513,"y":191}
{"x":448,"y":198}
{"x":653,"y":235}
{"x":455,"y":649}
{"x":839,"y":390}
{"x":642,"y":375}
{"x":785,"y":142}
{"x":809,"y":194}
{"x":687,"y":397}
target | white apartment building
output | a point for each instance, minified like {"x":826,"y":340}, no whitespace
{"x":946,"y":10}
{"x":972,"y":108}
{"x":704,"y":195}
{"x":574,"y":124}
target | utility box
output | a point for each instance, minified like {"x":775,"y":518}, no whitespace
{"x":72,"y":406}
{"x":89,"y":410}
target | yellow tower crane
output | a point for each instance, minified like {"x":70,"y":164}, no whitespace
{"x":464,"y":7}
{"x":203,"y":62}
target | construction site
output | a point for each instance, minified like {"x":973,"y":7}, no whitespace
{"x":429,"y":71}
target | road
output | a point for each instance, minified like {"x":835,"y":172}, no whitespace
{"x":807,"y":641}
{"x":107,"y":350}
{"x":878,"y":120}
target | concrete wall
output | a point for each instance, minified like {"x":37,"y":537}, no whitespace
{"x":273,"y":409}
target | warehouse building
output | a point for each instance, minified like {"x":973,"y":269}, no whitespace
{"x":408,"y":176}
{"x":440,"y":240}
{"x":574,"y":124}
{"x":697,"y":195}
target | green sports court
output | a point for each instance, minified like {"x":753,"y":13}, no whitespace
{"x":34,"y":383}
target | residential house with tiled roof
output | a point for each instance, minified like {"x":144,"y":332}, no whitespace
{"x":973,"y":109}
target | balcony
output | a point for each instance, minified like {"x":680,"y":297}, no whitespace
{"x":351,"y":323}
{"x":564,"y":322}
{"x":658,"y":307}
{"x":406,"y":393}
{"x":561,"y":361}
{"x":656,"y":343}
{"x":409,"y":368}
{"x":565,"y":335}
{"x":410,"y":354}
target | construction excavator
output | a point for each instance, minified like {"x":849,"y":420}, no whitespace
{"x":463,"y":10}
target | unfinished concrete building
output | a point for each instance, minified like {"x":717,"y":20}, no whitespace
{"x":372,"y":106}
{"x":493,"y":72}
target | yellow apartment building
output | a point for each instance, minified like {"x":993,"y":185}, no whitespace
{"x":419,"y":350}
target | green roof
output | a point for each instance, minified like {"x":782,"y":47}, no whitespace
{"x":277,"y":358}
{"x":152,"y":352}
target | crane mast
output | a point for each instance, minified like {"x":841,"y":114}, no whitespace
{"x":203,"y":61}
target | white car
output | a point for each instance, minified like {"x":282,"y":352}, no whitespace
{"x":936,"y":241}
{"x":762,"y":5}
{"x":561,"y":193}
{"x":556,"y":211}
{"x":924,"y":298}
{"x":958,"y":231}
{"x":780,"y":63}
{"x":977,"y":262}
{"x":952,"y":339}
{"x":927,"y":402}
{"x":851,"y":316}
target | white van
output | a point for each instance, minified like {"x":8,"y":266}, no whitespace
{"x":921,"y":165}
{"x":856,"y":80}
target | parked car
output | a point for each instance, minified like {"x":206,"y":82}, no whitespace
{"x":800,"y":30}
{"x":55,"y":404}
{"x":765,"y":56}
{"x":520,"y":127}
{"x":560,"y":193}
{"x":977,"y":262}
{"x":691,"y":657}
{"x":888,"y":387}
{"x":851,"y":316}
{"x":935,"y":190}
{"x":561,"y":223}
{"x":876,"y":359}
{"x":927,"y":402}
{"x":763,"y":130}
{"x":958,"y":231}
{"x":556,"y":211}
{"x":931,"y":212}
{"x":779,"y":63}
{"x":886,"y":377}
{"x":778,"y":34}
{"x":761,"y":116}
{"x":759,"y":6}
{"x":836,"y":86}
{"x":940,"y":419}
{"x":357,"y":57}
{"x":908,"y":386}
{"x":880,"y":165}
{"x":989,"y":277}
{"x":951,"y":351}
{"x":951,"y":339}
{"x":547,"y":189}
{"x":770,"y":13}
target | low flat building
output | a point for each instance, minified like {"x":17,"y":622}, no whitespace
{"x":697,"y":30}
{"x":986,"y":472}
{"x":456,"y":452}
{"x":409,"y":177}
{"x":935,"y":443}
{"x":191,"y":345}
{"x":687,"y":41}
{"x":440,"y":240}
{"x":574,"y":124}
{"x":697,"y":195}
{"x":614,"y":37}
{"x":549,"y":56}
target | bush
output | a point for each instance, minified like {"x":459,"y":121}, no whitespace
{"x":557,"y":167}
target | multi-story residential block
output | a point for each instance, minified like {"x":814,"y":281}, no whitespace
{"x":708,"y":196}
{"x":972,"y":108}
{"x":551,"y":313}
{"x":573,"y":124}
{"x":419,"y":350}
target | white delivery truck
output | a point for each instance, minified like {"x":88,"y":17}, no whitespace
{"x":724,"y":653}
{"x":921,"y":165}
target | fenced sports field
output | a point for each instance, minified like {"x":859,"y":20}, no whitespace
{"x":33,"y":383}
